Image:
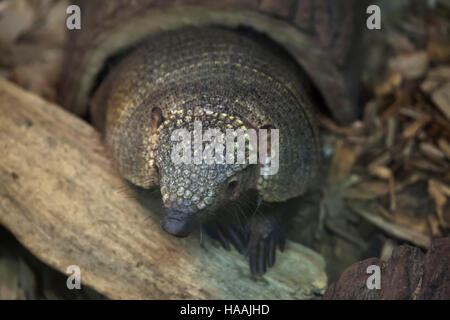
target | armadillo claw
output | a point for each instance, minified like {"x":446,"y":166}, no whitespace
{"x":227,"y":234}
{"x":266,"y":236}
{"x":258,"y":240}
{"x":239,"y":239}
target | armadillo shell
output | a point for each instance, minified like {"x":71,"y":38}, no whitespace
{"x":234,"y":80}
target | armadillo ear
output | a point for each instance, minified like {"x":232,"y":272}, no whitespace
{"x":156,"y":120}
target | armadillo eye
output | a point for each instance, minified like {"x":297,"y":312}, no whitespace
{"x":232,"y":185}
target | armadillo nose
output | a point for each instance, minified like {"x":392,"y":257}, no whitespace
{"x":177,"y":223}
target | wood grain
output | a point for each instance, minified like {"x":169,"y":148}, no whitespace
{"x":62,"y":198}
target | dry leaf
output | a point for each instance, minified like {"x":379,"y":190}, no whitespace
{"x":389,"y":85}
{"x":435,"y":191}
{"x":380,"y":172}
{"x":412,"y":129}
{"x":426,"y":165}
{"x":441,"y":98}
{"x":341,"y":164}
{"x":431,"y":151}
{"x":434,"y":226}
{"x":445,"y":147}
{"x":435,"y":78}
{"x":367,"y":190}
{"x":397,"y":230}
{"x":386,"y":174}
{"x":438,"y":52}
{"x":411,"y":66}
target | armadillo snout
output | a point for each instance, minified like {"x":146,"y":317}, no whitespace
{"x":178,"y":223}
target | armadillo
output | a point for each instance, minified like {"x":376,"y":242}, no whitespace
{"x":223,"y":79}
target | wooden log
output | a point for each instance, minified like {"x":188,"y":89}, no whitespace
{"x":62,"y":198}
{"x":114,"y":26}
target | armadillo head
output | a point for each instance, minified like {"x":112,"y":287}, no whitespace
{"x":194,"y":179}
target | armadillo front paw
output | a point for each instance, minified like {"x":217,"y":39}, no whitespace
{"x":227,"y":233}
{"x":266,"y":234}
